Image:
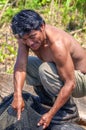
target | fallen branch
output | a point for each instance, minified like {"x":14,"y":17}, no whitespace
{"x":79,"y":30}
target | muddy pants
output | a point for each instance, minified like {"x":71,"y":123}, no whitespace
{"x":45,"y":74}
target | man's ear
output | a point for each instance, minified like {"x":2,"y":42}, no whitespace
{"x":42,"y":28}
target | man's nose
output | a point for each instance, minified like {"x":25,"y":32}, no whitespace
{"x":30,"y":42}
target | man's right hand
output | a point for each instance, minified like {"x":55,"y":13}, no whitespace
{"x":18,"y":104}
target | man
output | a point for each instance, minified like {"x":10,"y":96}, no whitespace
{"x":59,"y":69}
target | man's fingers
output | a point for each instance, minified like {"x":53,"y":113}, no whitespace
{"x":44,"y":125}
{"x":41,"y":122}
{"x":23,"y":109}
{"x":19,"y":114}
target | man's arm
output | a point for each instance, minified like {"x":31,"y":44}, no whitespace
{"x":65,"y":68}
{"x":19,"y":77}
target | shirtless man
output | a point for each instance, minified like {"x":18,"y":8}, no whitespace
{"x":60,"y":67}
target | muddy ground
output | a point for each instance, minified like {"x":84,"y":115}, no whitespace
{"x":6,"y":88}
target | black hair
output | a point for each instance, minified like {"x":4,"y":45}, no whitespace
{"x":25,"y":21}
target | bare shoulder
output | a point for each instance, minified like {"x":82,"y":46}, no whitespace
{"x":59,"y":37}
{"x":64,"y":46}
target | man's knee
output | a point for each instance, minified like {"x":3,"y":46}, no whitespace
{"x":42,"y":68}
{"x":47,"y":67}
{"x":50,"y":78}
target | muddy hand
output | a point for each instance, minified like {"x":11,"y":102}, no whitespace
{"x":45,"y":120}
{"x":18,"y":105}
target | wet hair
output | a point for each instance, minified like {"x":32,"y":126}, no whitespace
{"x":26,"y":21}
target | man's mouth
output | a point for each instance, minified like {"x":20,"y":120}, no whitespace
{"x":35,"y":46}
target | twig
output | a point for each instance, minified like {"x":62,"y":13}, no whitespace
{"x":52,"y":11}
{"x":4,"y":8}
{"x":79,"y":30}
{"x":6,"y":52}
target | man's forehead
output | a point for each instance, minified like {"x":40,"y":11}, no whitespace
{"x":33,"y":32}
{"x":18,"y":36}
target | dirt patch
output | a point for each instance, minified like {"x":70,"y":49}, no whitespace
{"x":6,"y":86}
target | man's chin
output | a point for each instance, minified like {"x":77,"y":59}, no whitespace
{"x":35,"y":49}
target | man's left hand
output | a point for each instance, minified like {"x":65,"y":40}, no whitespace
{"x":45,"y":120}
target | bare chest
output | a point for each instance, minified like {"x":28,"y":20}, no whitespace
{"x":45,"y":54}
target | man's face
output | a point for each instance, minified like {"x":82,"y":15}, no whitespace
{"x":34,"y":39}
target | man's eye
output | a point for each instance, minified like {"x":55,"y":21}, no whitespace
{"x":32,"y":37}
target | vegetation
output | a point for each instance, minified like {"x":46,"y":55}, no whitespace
{"x":70,"y":10}
{"x":69,"y":15}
